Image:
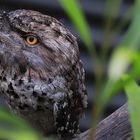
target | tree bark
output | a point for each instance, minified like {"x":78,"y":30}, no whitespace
{"x":115,"y":127}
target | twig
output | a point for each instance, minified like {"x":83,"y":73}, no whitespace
{"x":115,"y":127}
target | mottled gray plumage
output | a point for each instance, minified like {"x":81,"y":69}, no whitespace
{"x":43,"y":83}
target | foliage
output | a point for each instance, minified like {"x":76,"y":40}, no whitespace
{"x":124,"y":55}
{"x":13,"y":128}
{"x":133,"y":94}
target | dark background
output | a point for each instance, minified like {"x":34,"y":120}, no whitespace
{"x":95,"y":14}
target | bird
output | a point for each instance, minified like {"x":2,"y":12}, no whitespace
{"x":42,"y":78}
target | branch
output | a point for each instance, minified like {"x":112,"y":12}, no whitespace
{"x":115,"y":127}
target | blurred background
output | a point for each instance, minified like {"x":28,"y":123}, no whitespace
{"x":95,"y":15}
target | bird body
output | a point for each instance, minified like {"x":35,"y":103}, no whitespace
{"x":41,"y":75}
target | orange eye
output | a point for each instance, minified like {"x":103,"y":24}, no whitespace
{"x":31,"y":40}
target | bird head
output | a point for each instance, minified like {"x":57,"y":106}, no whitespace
{"x":34,"y":48}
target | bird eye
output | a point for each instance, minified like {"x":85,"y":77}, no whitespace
{"x":31,"y":40}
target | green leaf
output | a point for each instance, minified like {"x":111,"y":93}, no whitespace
{"x":135,"y":70}
{"x":120,"y":61}
{"x":14,"y":128}
{"x":132,"y":36}
{"x":133,"y":94}
{"x":76,"y":15}
{"x":13,"y":120}
{"x":110,"y":89}
{"x":18,"y":135}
